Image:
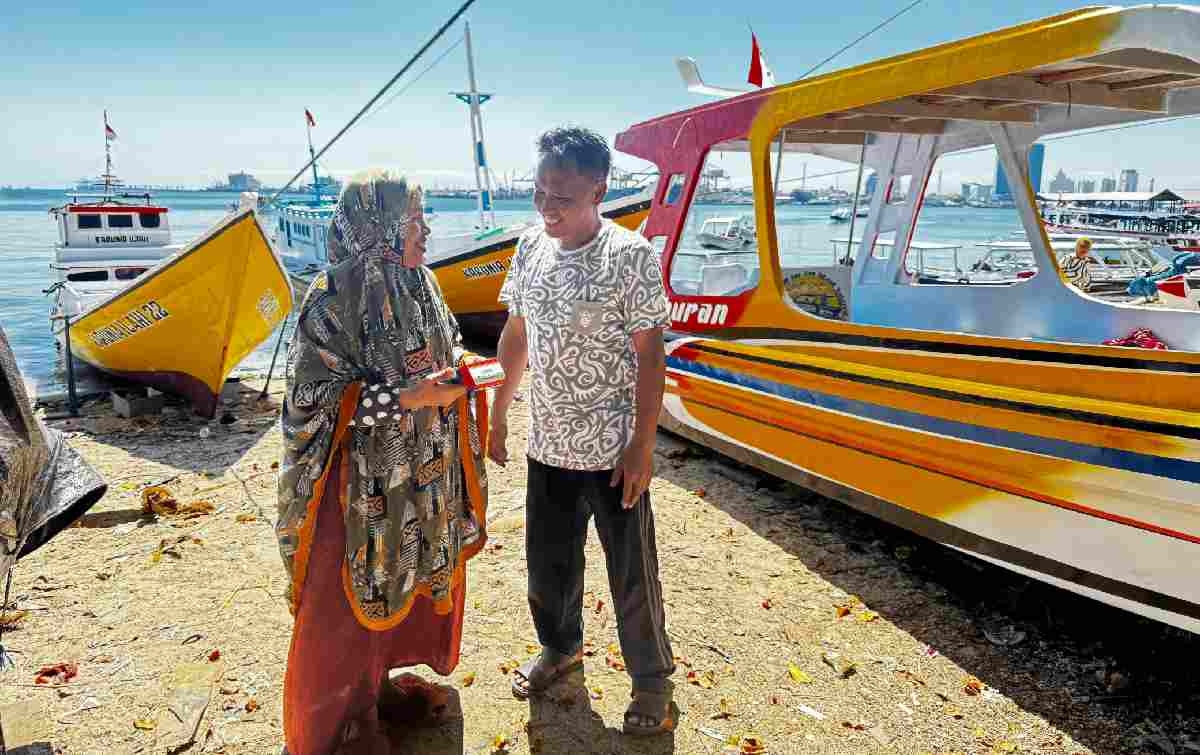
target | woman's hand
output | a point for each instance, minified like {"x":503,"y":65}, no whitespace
{"x":434,"y":391}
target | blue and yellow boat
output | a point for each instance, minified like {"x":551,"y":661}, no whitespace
{"x":994,"y":419}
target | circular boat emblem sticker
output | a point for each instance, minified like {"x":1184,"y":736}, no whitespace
{"x":816,"y":294}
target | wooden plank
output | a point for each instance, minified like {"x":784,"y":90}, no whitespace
{"x":1077,"y":74}
{"x":958,"y":112}
{"x":1146,"y":60}
{"x":843,"y":137}
{"x":1164,"y":79}
{"x":859,"y":124}
{"x":1027,"y":90}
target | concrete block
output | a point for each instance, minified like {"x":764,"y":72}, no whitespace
{"x":137,"y":403}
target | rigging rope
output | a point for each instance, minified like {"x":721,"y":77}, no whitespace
{"x":415,"y":79}
{"x":879,"y":26}
{"x":412,"y":61}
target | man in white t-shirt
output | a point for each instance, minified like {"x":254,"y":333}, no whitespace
{"x":586,"y":311}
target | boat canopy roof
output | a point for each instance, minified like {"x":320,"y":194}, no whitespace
{"x":1092,"y":67}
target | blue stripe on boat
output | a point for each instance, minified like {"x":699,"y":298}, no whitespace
{"x":1129,"y":461}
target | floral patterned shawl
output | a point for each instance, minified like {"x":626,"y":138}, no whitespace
{"x":414,"y":485}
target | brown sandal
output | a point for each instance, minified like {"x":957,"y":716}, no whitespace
{"x":541,"y":673}
{"x":650,"y":705}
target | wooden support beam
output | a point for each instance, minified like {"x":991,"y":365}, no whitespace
{"x":869,"y":123}
{"x":821,"y":137}
{"x":1078,"y":74}
{"x":965,"y":111}
{"x":1163,"y":79}
{"x":1027,"y":90}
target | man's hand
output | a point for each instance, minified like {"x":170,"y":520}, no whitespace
{"x":497,"y":442}
{"x":635,"y":469}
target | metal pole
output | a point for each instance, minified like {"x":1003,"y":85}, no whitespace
{"x":483,"y":178}
{"x":779,"y":162}
{"x":72,"y":404}
{"x":274,"y":355}
{"x":313,"y":155}
{"x":862,"y":158}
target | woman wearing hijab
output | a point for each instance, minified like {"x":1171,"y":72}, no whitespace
{"x":382,"y":490}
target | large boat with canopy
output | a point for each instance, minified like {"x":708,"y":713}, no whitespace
{"x":996,"y":419}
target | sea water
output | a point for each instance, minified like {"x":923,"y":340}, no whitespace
{"x":28,"y":234}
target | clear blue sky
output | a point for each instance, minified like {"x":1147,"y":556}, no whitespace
{"x":205,"y":89}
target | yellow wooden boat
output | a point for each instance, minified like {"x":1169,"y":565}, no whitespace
{"x":470,"y":268}
{"x":177,"y":319}
{"x":471,"y":278}
{"x":1001,"y":420}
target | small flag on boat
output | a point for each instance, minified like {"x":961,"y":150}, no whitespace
{"x":109,"y":133}
{"x":760,"y":73}
{"x":309,"y":117}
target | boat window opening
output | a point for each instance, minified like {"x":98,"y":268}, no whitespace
{"x":899,"y":190}
{"x":128,"y":273}
{"x":120,"y":221}
{"x":89,"y":222}
{"x":717,"y":251}
{"x":674,"y":191}
{"x":967,"y":231}
{"x":813,"y":224}
{"x":88,"y":276}
{"x":149,"y":219}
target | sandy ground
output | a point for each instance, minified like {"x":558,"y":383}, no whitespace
{"x":798,"y":624}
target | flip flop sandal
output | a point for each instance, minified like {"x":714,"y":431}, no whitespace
{"x":654,"y":706}
{"x":541,"y":675}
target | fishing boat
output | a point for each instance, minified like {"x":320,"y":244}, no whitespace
{"x":728,"y":233}
{"x":175,"y":317}
{"x":842,"y":214}
{"x":1157,"y":217}
{"x":991,"y":419}
{"x":470,"y":266}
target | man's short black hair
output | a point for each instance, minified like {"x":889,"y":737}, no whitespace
{"x":577,"y":148}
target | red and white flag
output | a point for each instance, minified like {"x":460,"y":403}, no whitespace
{"x":109,"y":133}
{"x":312,"y":122}
{"x":760,"y":73}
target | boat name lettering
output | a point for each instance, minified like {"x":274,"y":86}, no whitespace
{"x":703,"y":313}
{"x":135,"y":238}
{"x":129,"y":324}
{"x":484,"y":271}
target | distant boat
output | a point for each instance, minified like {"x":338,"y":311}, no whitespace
{"x":176,"y":318}
{"x":730,"y":234}
{"x":842,"y":214}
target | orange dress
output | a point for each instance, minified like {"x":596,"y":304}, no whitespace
{"x":336,"y":666}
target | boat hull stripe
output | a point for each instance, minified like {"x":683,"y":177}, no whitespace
{"x":950,"y":534}
{"x":1129,"y":461}
{"x":1106,"y":420}
{"x":1030,"y":354}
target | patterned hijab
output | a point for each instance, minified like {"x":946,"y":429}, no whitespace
{"x":372,"y":216}
{"x":372,"y":322}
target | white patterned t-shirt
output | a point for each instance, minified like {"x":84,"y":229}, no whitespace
{"x":581,"y":309}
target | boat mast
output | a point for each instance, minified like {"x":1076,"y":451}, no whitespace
{"x":483,"y":176}
{"x":108,"y":174}
{"x":313,"y":154}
